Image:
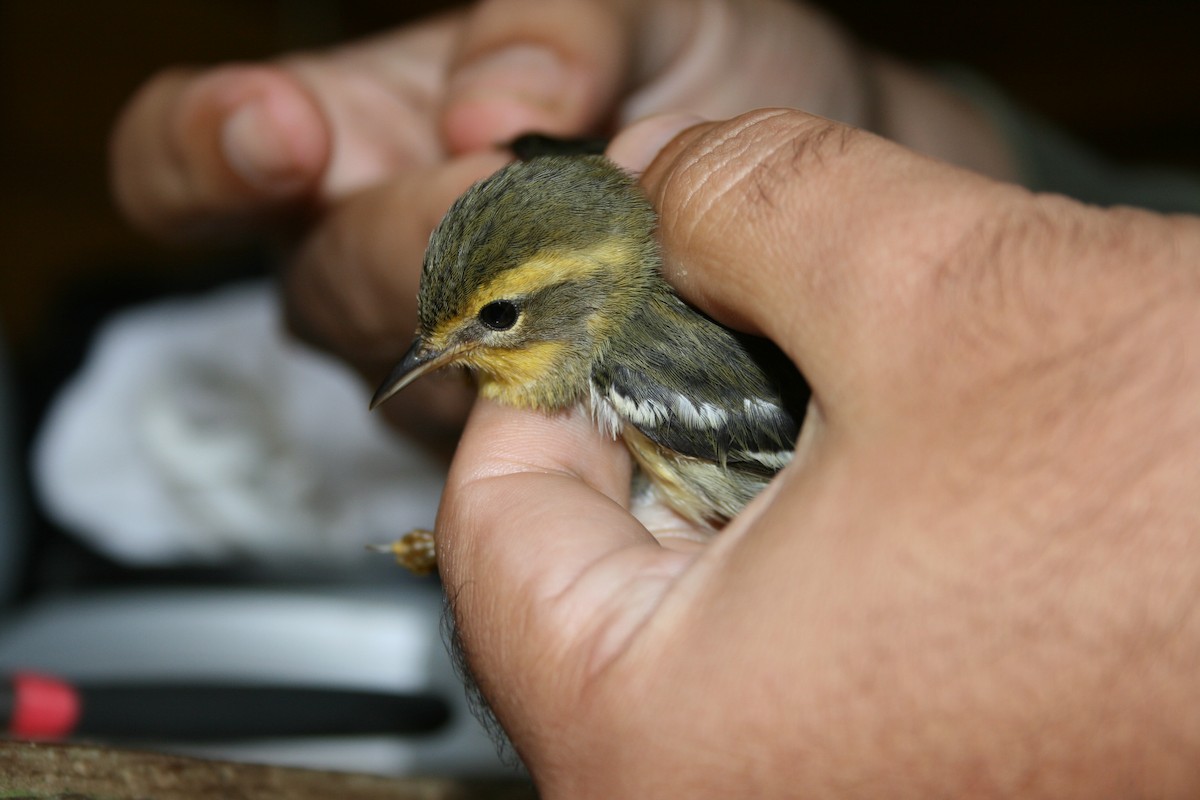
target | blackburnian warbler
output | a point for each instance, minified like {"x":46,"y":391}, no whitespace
{"x":544,"y":280}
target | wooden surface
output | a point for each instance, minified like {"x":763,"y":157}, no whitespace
{"x":81,"y":772}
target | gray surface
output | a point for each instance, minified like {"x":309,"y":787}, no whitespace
{"x":384,"y":639}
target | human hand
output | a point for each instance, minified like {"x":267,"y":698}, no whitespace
{"x":977,"y":578}
{"x":351,"y":155}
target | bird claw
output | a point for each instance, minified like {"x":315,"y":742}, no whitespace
{"x":415,"y":551}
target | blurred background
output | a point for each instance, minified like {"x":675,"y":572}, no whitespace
{"x":1122,"y":76}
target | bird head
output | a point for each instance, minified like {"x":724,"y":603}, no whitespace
{"x":527,"y":275}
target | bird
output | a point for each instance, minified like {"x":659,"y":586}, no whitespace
{"x":545,"y":280}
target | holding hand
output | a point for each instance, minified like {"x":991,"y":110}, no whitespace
{"x":976,"y":578}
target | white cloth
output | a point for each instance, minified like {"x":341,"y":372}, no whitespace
{"x":198,"y":433}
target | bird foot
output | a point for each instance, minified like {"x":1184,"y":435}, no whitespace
{"x":415,"y":551}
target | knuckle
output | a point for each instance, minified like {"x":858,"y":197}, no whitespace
{"x":754,"y":160}
{"x":1020,"y":268}
{"x":748,"y":190}
{"x":750,"y":172}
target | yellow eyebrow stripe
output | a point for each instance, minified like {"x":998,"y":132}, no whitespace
{"x":547,"y":269}
{"x":544,"y":269}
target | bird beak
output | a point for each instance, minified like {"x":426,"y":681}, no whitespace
{"x":416,"y":362}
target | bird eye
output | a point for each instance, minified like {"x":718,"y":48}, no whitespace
{"x":499,"y":315}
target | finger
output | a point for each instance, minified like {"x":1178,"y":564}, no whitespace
{"x":352,"y":285}
{"x":520,"y":482}
{"x":786,"y":54}
{"x":821,"y":236}
{"x":350,"y":289}
{"x":635,"y":147}
{"x":197,"y":152}
{"x":524,"y":65}
{"x":541,"y":559}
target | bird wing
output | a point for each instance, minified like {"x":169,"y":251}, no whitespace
{"x":695,"y":388}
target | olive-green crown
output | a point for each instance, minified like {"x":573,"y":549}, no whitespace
{"x":550,"y":204}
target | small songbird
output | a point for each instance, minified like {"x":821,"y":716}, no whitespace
{"x":545,"y":280}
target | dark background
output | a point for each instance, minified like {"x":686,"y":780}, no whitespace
{"x":1124,"y":76}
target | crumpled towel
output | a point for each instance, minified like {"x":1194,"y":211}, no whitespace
{"x":197,"y":433}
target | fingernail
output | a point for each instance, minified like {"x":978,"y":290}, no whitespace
{"x":638,"y":145}
{"x":257,"y":148}
{"x":531,"y":73}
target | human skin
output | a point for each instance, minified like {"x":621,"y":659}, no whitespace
{"x":977,"y":578}
{"x":352,"y":154}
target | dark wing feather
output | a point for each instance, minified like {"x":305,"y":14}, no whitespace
{"x":694,"y":387}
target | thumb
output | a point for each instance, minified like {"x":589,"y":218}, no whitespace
{"x":526,"y":65}
{"x":823,"y":237}
{"x":192,"y":149}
